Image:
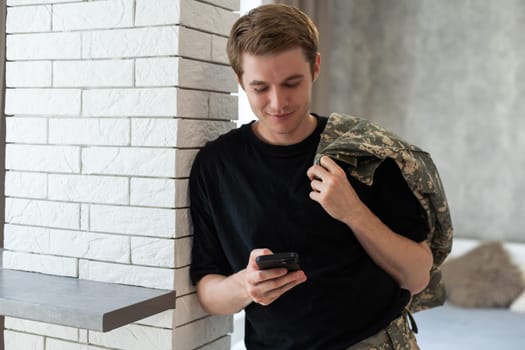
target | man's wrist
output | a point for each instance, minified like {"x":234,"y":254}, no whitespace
{"x":240,"y":280}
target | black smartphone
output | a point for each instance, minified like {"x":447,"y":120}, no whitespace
{"x":290,"y":260}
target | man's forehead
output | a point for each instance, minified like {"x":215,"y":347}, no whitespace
{"x":292,"y":62}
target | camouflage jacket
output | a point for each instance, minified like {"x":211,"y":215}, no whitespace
{"x":363,"y":145}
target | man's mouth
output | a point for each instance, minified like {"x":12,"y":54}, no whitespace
{"x":281,"y":115}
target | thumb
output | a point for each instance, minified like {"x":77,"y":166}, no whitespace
{"x":254,"y":254}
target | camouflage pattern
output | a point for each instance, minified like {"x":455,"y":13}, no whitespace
{"x":363,"y":145}
{"x":396,"y":336}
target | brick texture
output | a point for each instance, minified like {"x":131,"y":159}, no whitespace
{"x":107,"y":103}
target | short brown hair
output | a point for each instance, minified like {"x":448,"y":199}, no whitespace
{"x":271,"y":29}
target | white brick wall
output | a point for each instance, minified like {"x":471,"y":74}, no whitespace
{"x":43,"y":101}
{"x":16,"y":340}
{"x":42,"y":212}
{"x":135,"y":337}
{"x":45,"y":329}
{"x":28,"y":74}
{"x":22,"y":184}
{"x":102,"y":73}
{"x":100,"y":14}
{"x":107,"y":103}
{"x":204,"y":330}
{"x":161,"y":320}
{"x":41,"y":263}
{"x":29,"y":19}
{"x":26,"y":130}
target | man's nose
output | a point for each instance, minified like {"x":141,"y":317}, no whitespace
{"x":278,"y":99}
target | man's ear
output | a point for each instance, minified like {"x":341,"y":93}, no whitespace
{"x":317,"y":66}
{"x":239,"y":81}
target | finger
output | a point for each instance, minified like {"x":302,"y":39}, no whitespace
{"x":254,"y":254}
{"x":316,"y":172}
{"x":311,"y":172}
{"x":259,"y":281}
{"x":290,"y":281}
{"x":272,"y":295}
{"x":267,"y":288}
{"x":271,"y":274}
{"x":328,"y":163}
{"x":316,"y":185}
{"x":316,"y":196}
{"x":296,"y":277}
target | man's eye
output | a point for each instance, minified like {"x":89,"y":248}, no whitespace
{"x":260,"y":89}
{"x":292,"y":85}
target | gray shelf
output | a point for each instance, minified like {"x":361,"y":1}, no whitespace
{"x":78,"y":303}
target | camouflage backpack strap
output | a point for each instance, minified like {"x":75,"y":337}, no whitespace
{"x":363,"y":145}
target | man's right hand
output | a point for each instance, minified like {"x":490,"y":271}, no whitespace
{"x":226,"y":295}
{"x":265,"y":286}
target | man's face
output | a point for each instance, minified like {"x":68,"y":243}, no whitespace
{"x":279,"y":87}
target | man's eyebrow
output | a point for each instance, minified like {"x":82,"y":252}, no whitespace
{"x":291,"y":77}
{"x":294,"y":77}
{"x":256,"y":82}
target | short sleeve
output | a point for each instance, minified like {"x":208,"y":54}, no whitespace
{"x":207,"y":254}
{"x":396,"y":205}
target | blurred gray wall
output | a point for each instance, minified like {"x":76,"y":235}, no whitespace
{"x":449,"y":76}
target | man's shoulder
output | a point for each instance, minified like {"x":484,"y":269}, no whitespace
{"x":221,"y":150}
{"x":226,"y":141}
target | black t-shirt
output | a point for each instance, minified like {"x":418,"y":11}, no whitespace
{"x":247,"y":194}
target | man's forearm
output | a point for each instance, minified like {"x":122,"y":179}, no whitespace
{"x":221,"y":295}
{"x":408,"y":262}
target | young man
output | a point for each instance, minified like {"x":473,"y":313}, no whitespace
{"x":254,"y":191}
